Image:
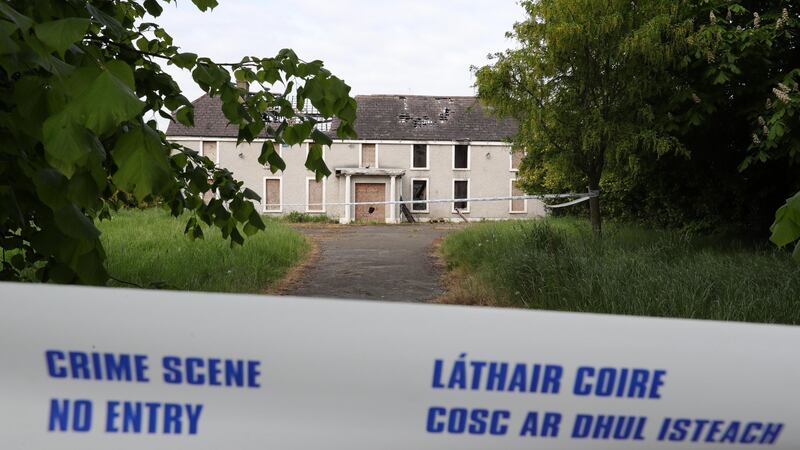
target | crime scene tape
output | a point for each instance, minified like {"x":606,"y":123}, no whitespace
{"x":578,"y":199}
{"x":100,"y":368}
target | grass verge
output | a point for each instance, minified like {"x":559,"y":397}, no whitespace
{"x":557,"y":264}
{"x":149,"y":248}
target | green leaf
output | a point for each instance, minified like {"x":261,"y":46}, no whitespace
{"x":250,"y":229}
{"x":143,"y":44}
{"x":251,"y":195}
{"x":113,"y":25}
{"x":236,"y":238}
{"x":21,"y":21}
{"x":7,"y":45}
{"x":109,"y":100}
{"x":153,"y":8}
{"x":296,"y":134}
{"x":82,"y":190}
{"x":348,"y":112}
{"x":18,"y":261}
{"x":315,"y":162}
{"x":72,"y":222}
{"x":66,"y":143}
{"x":51,"y":187}
{"x":90,"y":269}
{"x":185,"y":116}
{"x":61,"y":34}
{"x":786,"y":228}
{"x":721,"y":78}
{"x":173,"y":102}
{"x":143,"y":163}
{"x":270,"y":156}
{"x":321,"y":138}
{"x":255,"y":220}
{"x":205,"y":5}
{"x":184,"y":60}
{"x":243,"y":211}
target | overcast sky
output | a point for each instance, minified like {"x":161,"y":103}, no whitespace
{"x":376,"y":46}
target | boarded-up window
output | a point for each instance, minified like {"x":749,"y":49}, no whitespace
{"x":420,"y":188}
{"x":210,"y":150}
{"x":420,"y":159}
{"x":315,"y":192}
{"x":517,"y":206}
{"x":272,"y":194}
{"x":368,"y":155}
{"x":516,"y":159}
{"x":461,"y":190}
{"x":461,"y":157}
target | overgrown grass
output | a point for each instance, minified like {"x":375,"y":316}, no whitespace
{"x":299,"y":217}
{"x":557,"y":264}
{"x":149,"y":248}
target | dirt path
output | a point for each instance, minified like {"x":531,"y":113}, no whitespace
{"x":376,"y":262}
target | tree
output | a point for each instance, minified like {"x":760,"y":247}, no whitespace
{"x":748,"y":54}
{"x":78,"y":78}
{"x":580,"y":85}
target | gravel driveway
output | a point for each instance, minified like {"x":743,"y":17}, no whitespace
{"x":375,"y":262}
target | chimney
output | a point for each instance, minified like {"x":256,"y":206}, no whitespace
{"x":243,"y":85}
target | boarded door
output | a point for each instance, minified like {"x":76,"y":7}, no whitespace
{"x":370,"y":192}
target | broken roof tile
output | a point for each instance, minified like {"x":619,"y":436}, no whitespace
{"x":383,"y":117}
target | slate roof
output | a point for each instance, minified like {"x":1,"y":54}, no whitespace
{"x":209,"y":121}
{"x":428,"y":118}
{"x":384,"y":117}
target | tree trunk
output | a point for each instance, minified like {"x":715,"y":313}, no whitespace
{"x":594,"y":210}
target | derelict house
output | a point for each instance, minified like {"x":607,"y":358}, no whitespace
{"x":408,"y":147}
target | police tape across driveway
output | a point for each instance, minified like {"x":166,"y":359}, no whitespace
{"x":97,"y":368}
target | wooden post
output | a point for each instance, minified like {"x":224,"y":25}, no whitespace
{"x":594,"y":211}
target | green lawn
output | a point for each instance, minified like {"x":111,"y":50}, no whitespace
{"x":149,"y":248}
{"x":557,"y":264}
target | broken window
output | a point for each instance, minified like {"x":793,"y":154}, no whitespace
{"x":461,"y":157}
{"x":315,"y":191}
{"x":420,"y":192}
{"x":368,"y":155}
{"x":517,"y":206}
{"x":272,"y":194}
{"x":461,"y":190}
{"x":420,"y":157}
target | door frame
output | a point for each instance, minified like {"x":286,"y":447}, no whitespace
{"x":355,"y":194}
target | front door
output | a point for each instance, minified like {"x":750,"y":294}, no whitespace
{"x":370,"y":192}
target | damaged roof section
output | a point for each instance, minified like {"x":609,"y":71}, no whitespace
{"x":428,"y":118}
{"x":383,"y":117}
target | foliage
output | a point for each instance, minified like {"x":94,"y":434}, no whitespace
{"x":579,"y":84}
{"x":747,"y":54}
{"x":77,"y":79}
{"x":147,"y":247}
{"x":557,"y":264}
{"x":721,"y":105}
